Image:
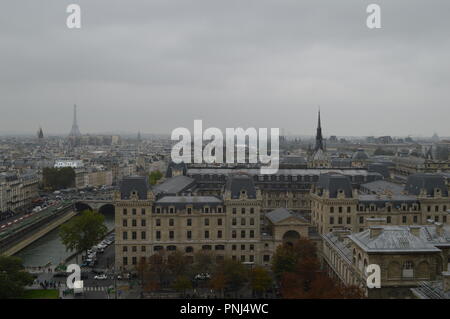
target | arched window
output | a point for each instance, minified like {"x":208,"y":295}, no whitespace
{"x":189,"y":249}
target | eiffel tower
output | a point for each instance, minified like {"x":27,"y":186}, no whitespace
{"x":75,"y":131}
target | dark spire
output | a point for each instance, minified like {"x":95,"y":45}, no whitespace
{"x":40,"y":133}
{"x":319,"y":138}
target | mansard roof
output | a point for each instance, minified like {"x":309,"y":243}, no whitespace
{"x":238,"y":183}
{"x":132,"y":184}
{"x":334,"y":183}
{"x":427,"y":181}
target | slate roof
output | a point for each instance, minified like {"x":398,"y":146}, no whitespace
{"x":381,"y":186}
{"x":174,"y":185}
{"x":334,"y":183}
{"x":282,"y":213}
{"x":189,"y":200}
{"x":240,"y":182}
{"x":392,"y":239}
{"x":134,"y":183}
{"x":427,"y":181}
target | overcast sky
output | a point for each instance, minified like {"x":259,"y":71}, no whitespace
{"x":156,"y":65}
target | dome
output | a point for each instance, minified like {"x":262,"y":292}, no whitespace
{"x":360,"y":155}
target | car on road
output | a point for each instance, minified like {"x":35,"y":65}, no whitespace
{"x":100,"y":277}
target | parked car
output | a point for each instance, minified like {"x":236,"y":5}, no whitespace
{"x":100,"y":277}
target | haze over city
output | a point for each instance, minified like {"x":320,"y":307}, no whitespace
{"x":154,"y":66}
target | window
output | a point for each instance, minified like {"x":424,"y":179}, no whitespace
{"x":388,"y":219}
{"x":158,"y":222}
{"x":340,"y":209}
{"x":415,"y":219}
{"x":331,"y":220}
{"x":125,"y":211}
{"x":219,"y":209}
{"x":206,"y":221}
{"x":143,"y":222}
{"x":171,"y":234}
{"x":252,"y":221}
{"x":252,"y":258}
{"x":233,"y":234}
{"x":444,"y":219}
{"x":242,"y":221}
{"x":340,"y":220}
{"x":189,"y":222}
{"x":242,"y":233}
{"x":252,"y":210}
{"x":252,"y":234}
{"x":252,"y":247}
{"x":348,"y":209}
{"x":219,"y":222}
{"x":125,"y":248}
{"x":206,"y":234}
{"x":189,"y":210}
{"x":134,"y":260}
{"x":266,"y":258}
{"x":243,"y":210}
{"x":143,"y":235}
{"x":125,"y":261}
{"x":189,"y":234}
{"x":404,"y":219}
{"x":171,"y":222}
{"x":436,"y":218}
{"x":125,"y":235}
{"x":133,"y":235}
{"x":349,"y":220}
{"x":142,"y":248}
{"x":133,"y":222}
{"x":233,"y":222}
{"x":219,"y":234}
{"x":234,"y":210}
{"x":158,"y":235}
{"x":243,"y":258}
{"x":171,"y":210}
{"x":331,"y":209}
{"x":233,"y":247}
{"x":134,"y":211}
{"x":361,"y":219}
{"x":242,"y":247}
{"x":124,"y":223}
{"x":143,"y":211}
{"x":133,"y":249}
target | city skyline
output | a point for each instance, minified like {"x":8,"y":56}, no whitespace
{"x":158,"y":66}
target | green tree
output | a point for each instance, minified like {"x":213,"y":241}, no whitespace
{"x":58,"y":178}
{"x":260,"y":280}
{"x":181,"y":284}
{"x":177,"y":264}
{"x":235,"y":273}
{"x":155,"y":176}
{"x":83,"y":231}
{"x":13,"y":278}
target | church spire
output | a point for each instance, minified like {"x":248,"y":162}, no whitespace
{"x":319,"y":138}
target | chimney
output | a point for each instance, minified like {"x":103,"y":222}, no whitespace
{"x":379,"y":221}
{"x":341,"y":233}
{"x":439,"y":228}
{"x":415,"y":230}
{"x":375,"y":231}
{"x":446,"y":281}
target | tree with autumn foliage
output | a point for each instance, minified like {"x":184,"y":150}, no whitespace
{"x":299,"y":273}
{"x":260,"y":280}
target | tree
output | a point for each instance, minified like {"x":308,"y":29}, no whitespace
{"x":182,"y":283}
{"x":260,"y":280}
{"x":58,"y":178}
{"x":177,"y":264}
{"x":204,"y":262}
{"x":235,"y":273}
{"x":155,"y":176}
{"x":13,"y":278}
{"x":83,"y":231}
{"x":218,"y":282}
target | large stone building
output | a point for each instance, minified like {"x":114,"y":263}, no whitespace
{"x":231,"y":225}
{"x":407,"y":256}
{"x":17,"y":190}
{"x":335,"y":204}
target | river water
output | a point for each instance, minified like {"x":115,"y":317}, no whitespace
{"x":50,"y":249}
